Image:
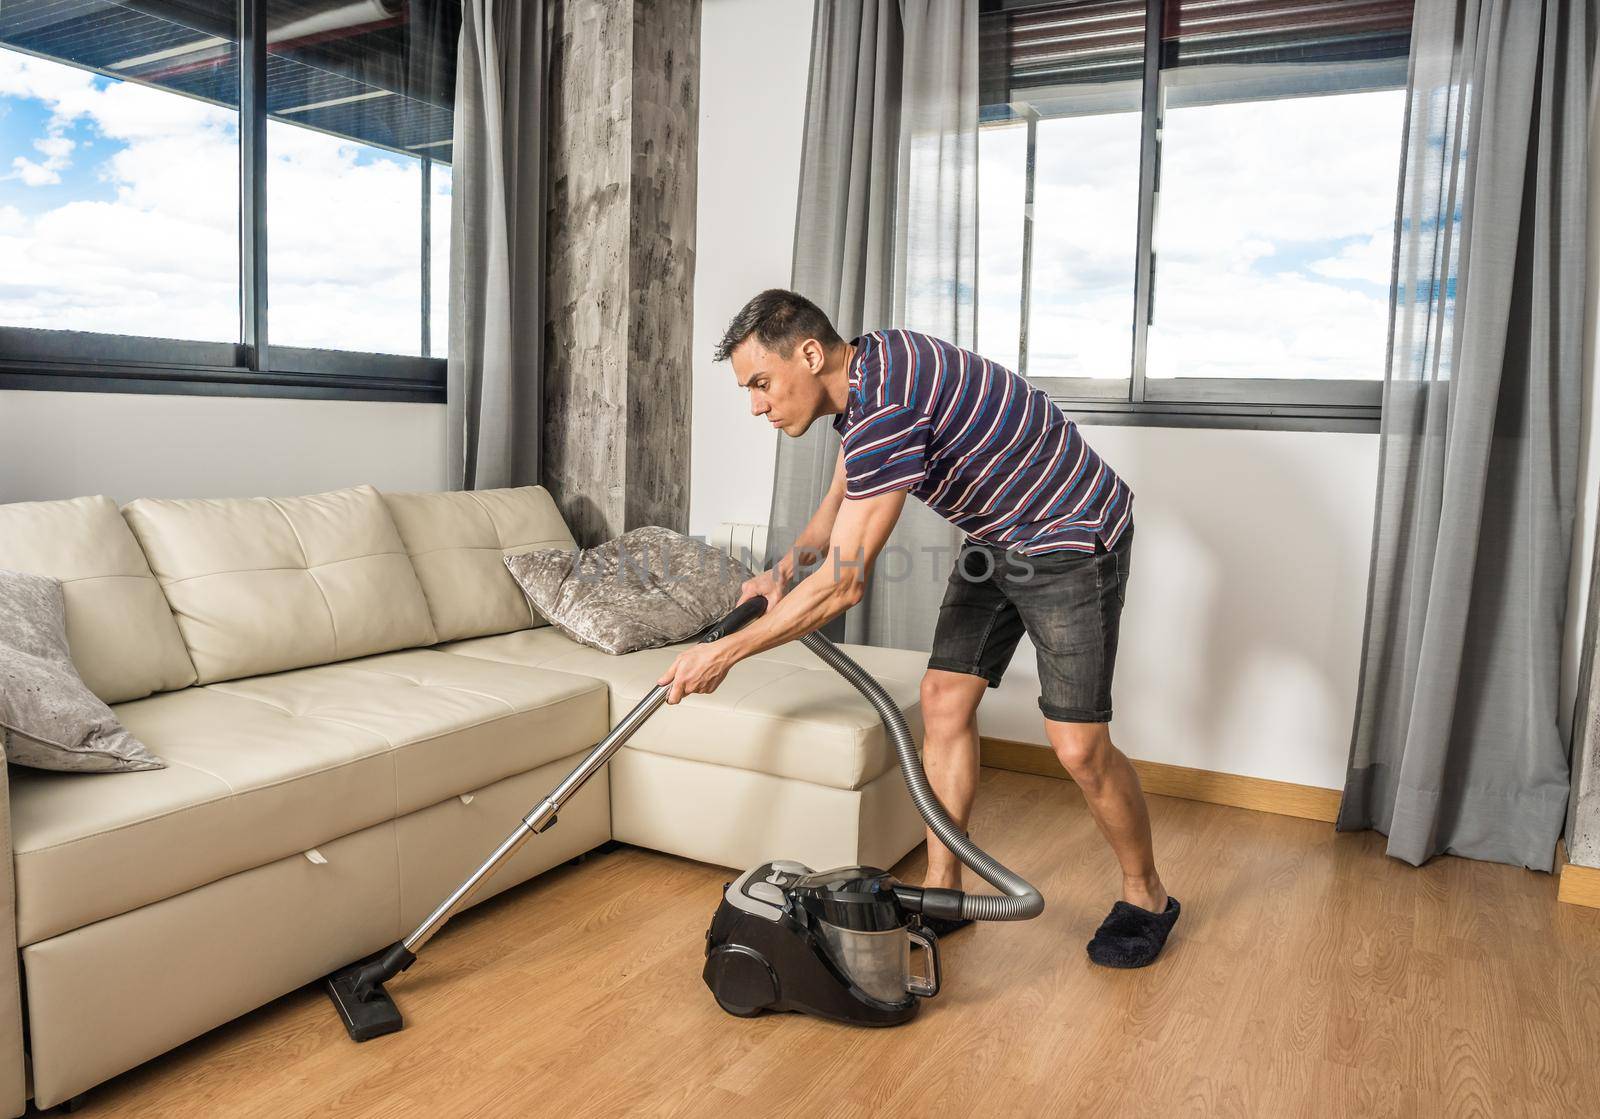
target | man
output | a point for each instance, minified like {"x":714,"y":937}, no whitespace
{"x":1049,"y":535}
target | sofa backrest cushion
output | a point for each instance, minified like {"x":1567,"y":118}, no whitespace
{"x":124,"y":641}
{"x":458,"y":542}
{"x":262,"y":584}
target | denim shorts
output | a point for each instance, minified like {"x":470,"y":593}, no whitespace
{"x":1068,"y":603}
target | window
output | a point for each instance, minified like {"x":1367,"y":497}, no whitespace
{"x":1188,"y":206}
{"x":226,"y":195}
{"x":119,"y":173}
{"x":351,"y":166}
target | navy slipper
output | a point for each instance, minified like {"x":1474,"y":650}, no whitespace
{"x":1132,"y":937}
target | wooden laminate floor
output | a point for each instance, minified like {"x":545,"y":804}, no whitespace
{"x":1309,"y":976}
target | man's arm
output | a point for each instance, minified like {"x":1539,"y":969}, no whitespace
{"x":809,"y":547}
{"x":859,"y":533}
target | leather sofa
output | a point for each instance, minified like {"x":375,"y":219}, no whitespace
{"x":355,"y":703}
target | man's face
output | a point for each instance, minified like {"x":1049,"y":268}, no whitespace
{"x":786,"y":391}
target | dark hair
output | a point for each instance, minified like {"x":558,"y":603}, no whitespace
{"x":780,"y":320}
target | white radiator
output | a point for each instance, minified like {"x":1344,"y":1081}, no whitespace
{"x":746,"y":543}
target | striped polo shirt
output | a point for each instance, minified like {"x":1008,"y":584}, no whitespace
{"x":978,"y":445}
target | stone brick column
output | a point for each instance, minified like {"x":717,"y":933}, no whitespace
{"x":624,"y":123}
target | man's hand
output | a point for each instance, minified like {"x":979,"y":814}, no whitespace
{"x":699,"y":669}
{"x":860,"y":533}
{"x":769,"y":585}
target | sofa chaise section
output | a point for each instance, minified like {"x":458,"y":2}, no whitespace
{"x":784,"y":759}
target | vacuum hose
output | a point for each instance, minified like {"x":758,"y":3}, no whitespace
{"x":1021,"y":901}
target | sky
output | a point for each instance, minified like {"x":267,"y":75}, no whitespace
{"x":119,"y":213}
{"x":1273,"y":240}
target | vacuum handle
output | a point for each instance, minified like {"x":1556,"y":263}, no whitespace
{"x":924,"y":987}
{"x":736,"y":619}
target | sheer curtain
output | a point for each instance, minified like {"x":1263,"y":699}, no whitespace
{"x":1455,"y":745}
{"x":886,"y":236}
{"x":497,"y":259}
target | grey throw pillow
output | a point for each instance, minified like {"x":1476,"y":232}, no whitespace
{"x":48,"y":717}
{"x":650,"y":586}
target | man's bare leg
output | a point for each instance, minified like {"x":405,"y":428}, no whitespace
{"x":950,"y":756}
{"x":1116,"y":800}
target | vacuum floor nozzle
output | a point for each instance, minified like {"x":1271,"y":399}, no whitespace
{"x":367,"y":1010}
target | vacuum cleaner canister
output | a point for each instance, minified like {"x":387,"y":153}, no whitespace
{"x":836,"y":944}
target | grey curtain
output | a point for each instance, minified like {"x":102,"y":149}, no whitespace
{"x":1455,"y":745}
{"x":886,"y":236}
{"x":497,"y":259}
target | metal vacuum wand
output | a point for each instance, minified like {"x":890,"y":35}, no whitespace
{"x":543,"y":817}
{"x":357,"y":991}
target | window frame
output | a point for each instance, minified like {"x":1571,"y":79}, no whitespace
{"x":86,"y":361}
{"x":1286,"y":403}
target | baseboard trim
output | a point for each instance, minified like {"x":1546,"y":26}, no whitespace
{"x":1580,"y":885}
{"x":1259,"y":794}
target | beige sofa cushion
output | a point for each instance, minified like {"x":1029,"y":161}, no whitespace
{"x":124,"y":641}
{"x":781,"y":712}
{"x":263,"y":768}
{"x":458,"y":542}
{"x":454,"y":724}
{"x":261,"y":584}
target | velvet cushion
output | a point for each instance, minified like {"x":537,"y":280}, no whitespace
{"x":48,"y":716}
{"x":650,"y":586}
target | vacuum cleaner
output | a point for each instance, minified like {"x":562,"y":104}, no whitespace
{"x":836,"y":944}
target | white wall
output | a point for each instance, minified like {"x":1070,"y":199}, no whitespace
{"x":1242,"y":634}
{"x":1241,"y":637}
{"x":66,"y":444}
{"x":753,"y":60}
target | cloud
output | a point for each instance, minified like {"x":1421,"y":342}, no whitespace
{"x":1002,"y":155}
{"x":1273,"y":234}
{"x":33,"y":174}
{"x":118,"y":110}
{"x":1370,"y":260}
{"x":57,"y":152}
{"x":345,"y":269}
{"x":159,"y":256}
{"x":56,"y":149}
{"x":1240,"y":324}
